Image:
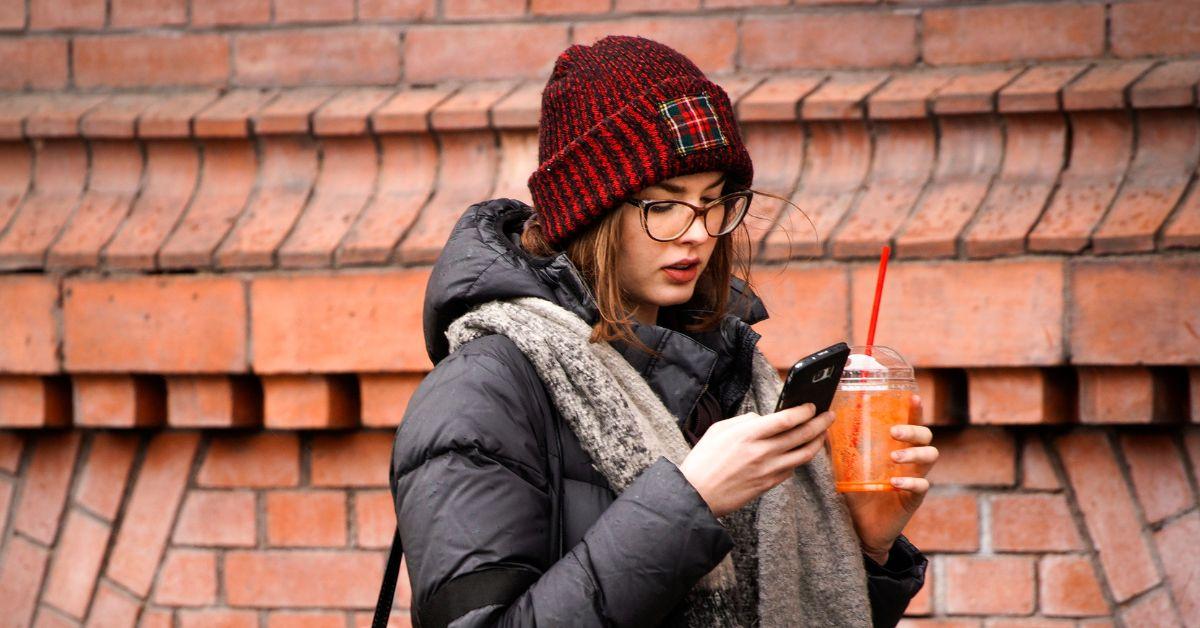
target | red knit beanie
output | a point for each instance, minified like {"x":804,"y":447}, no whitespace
{"x":620,"y":115}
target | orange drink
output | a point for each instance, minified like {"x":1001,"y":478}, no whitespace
{"x":874,"y":394}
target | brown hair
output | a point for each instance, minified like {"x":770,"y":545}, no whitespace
{"x":594,"y":252}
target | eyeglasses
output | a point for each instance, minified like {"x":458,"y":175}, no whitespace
{"x":667,"y":220}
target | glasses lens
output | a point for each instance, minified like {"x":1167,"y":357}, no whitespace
{"x":666,"y":221}
{"x":725,"y":216}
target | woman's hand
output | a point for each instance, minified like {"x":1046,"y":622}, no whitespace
{"x":879,"y":517}
{"x":743,"y":457}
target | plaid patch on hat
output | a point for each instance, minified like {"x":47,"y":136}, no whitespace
{"x":693,"y":123}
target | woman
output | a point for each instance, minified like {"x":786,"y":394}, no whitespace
{"x":595,"y":445}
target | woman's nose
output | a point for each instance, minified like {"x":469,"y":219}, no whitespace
{"x":696,"y":233}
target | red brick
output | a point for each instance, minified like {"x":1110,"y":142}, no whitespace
{"x":116,"y":169}
{"x":1020,"y":396}
{"x":138,"y":60}
{"x":970,"y":150}
{"x":1191,"y":442}
{"x":11,"y":446}
{"x":217,"y":518}
{"x":1181,"y":561}
{"x":1101,"y":143}
{"x":385,"y":396}
{"x":773,"y":146}
{"x":303,"y":578}
{"x":213,"y":401}
{"x":33,"y":63}
{"x":13,"y":111}
{"x":172,"y":169}
{"x":1069,"y":587}
{"x":901,"y":164}
{"x":437,"y":53}
{"x":1000,"y":585}
{"x":229,"y":116}
{"x":306,"y":519}
{"x":225,"y":186}
{"x":1037,"y":473}
{"x":974,"y":456}
{"x":347,"y":113}
{"x":76,"y":564}
{"x":21,"y":572}
{"x":57,"y":185}
{"x":778,"y":99}
{"x":407,"y":172}
{"x":710,"y":42}
{"x":972,"y":92}
{"x":47,"y":478}
{"x":819,"y":292}
{"x":1034,"y":152}
{"x":1109,"y":513}
{"x":113,"y":607}
{"x":817,"y":40}
{"x":318,"y":57}
{"x":468,"y":165}
{"x":12,"y":15}
{"x":1153,"y":610}
{"x":374,"y":519}
{"x":352,"y":459}
{"x":1039,"y":88}
{"x":476,"y":10}
{"x":1033,"y":523}
{"x":28,"y":310}
{"x":985,"y":323}
{"x":1183,"y":231}
{"x":1127,"y":395}
{"x":1167,"y":153}
{"x":60,"y":115}
{"x":102,"y":482}
{"x":291,"y":111}
{"x":347,"y":178}
{"x":1012,"y":32}
{"x":33,"y":401}
{"x":56,"y":15}
{"x":943,"y":396}
{"x":922,"y":603}
{"x":567,"y":7}
{"x":15,"y":175}
{"x":400,"y":618}
{"x":171,"y":117}
{"x":119,"y":401}
{"x":187,"y":578}
{"x":231,"y":12}
{"x":1146,"y":28}
{"x":396,"y":9}
{"x":294,"y":619}
{"x":135,"y":324}
{"x":907,"y":95}
{"x":6,"y":495}
{"x":1107,"y":294}
{"x":1159,"y":477}
{"x":150,"y":514}
{"x":49,"y":618}
{"x":156,"y":618}
{"x":367,"y":329}
{"x":217,"y":618}
{"x":299,"y":11}
{"x":117,"y":117}
{"x":520,"y":109}
{"x":946,"y":523}
{"x":408,"y":110}
{"x":1104,"y":86}
{"x":842,"y":97}
{"x":1172,"y":84}
{"x":470,"y":107}
{"x":134,"y":13}
{"x":263,"y":460}
{"x":289,"y":168}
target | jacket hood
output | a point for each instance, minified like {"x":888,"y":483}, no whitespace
{"x":483,"y":261}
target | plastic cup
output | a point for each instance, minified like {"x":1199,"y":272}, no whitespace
{"x":874,"y":394}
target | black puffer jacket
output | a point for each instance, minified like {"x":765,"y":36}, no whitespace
{"x":504,"y":519}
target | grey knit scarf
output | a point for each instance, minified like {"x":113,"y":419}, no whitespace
{"x":796,"y":560}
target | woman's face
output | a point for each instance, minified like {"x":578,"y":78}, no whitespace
{"x":642,"y":267}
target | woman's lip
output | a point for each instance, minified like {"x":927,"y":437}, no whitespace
{"x":682,"y":275}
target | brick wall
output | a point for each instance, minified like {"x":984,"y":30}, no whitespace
{"x":217,"y":221}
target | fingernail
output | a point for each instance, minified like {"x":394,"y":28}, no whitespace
{"x":898,"y":482}
{"x":897,"y":456}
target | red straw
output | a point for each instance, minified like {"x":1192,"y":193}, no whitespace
{"x":883,"y":260}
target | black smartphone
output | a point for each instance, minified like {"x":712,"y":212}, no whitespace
{"x":814,"y":379}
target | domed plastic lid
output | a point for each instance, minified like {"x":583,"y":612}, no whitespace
{"x":883,"y":365}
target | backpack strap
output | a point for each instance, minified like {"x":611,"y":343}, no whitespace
{"x":387,"y":591}
{"x":477,"y":589}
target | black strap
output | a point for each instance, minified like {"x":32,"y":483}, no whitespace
{"x":387,"y":591}
{"x":465,"y":593}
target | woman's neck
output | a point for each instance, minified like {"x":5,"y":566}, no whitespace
{"x":646,"y":314}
